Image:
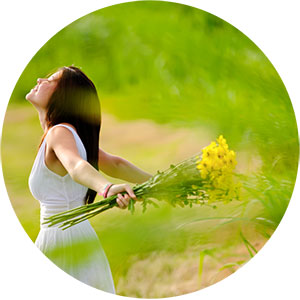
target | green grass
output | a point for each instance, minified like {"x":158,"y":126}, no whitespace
{"x":150,"y":238}
{"x":146,"y":66}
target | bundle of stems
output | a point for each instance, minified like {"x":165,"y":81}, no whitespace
{"x":181,"y":184}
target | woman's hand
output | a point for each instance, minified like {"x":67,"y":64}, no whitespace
{"x":122,"y":200}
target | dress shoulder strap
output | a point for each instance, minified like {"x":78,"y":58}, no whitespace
{"x":66,"y":126}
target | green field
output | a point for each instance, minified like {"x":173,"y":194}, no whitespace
{"x":170,"y":78}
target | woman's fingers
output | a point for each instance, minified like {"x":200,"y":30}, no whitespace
{"x":120,"y":200}
{"x":123,"y":200}
{"x":120,"y":203}
{"x":130,"y":192}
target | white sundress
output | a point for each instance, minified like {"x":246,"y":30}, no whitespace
{"x":76,"y":250}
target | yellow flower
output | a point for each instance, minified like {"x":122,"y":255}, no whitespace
{"x":216,"y":167}
{"x":203,"y":173}
{"x":220,"y":139}
{"x":222,"y":142}
{"x":221,"y":152}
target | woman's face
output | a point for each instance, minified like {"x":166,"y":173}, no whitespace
{"x":39,"y":96}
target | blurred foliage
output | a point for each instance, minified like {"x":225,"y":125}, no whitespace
{"x":176,"y":64}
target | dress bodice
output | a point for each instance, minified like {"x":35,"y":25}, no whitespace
{"x":54,"y":192}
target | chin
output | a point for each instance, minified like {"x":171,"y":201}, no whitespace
{"x":29,"y":96}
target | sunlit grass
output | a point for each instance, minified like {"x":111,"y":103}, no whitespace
{"x":146,"y":237}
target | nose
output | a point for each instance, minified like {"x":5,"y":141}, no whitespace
{"x":40,"y":80}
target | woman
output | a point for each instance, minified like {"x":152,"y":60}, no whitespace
{"x":65,"y":173}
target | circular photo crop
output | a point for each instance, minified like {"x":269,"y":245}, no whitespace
{"x":149,"y":149}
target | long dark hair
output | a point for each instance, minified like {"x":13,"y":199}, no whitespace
{"x":75,"y":101}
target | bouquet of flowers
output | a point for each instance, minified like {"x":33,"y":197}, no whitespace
{"x":205,"y":179}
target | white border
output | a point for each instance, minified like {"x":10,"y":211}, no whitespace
{"x":26,"y":26}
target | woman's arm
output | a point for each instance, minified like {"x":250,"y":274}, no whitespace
{"x":118,"y":167}
{"x":62,"y":142}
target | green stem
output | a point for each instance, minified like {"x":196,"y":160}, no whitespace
{"x":72,"y":222}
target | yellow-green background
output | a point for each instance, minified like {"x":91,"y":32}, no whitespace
{"x":170,"y":78}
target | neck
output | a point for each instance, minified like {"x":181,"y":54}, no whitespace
{"x":42,"y":117}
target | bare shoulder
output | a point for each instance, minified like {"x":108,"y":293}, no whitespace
{"x":57,"y":131}
{"x":60,"y":135}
